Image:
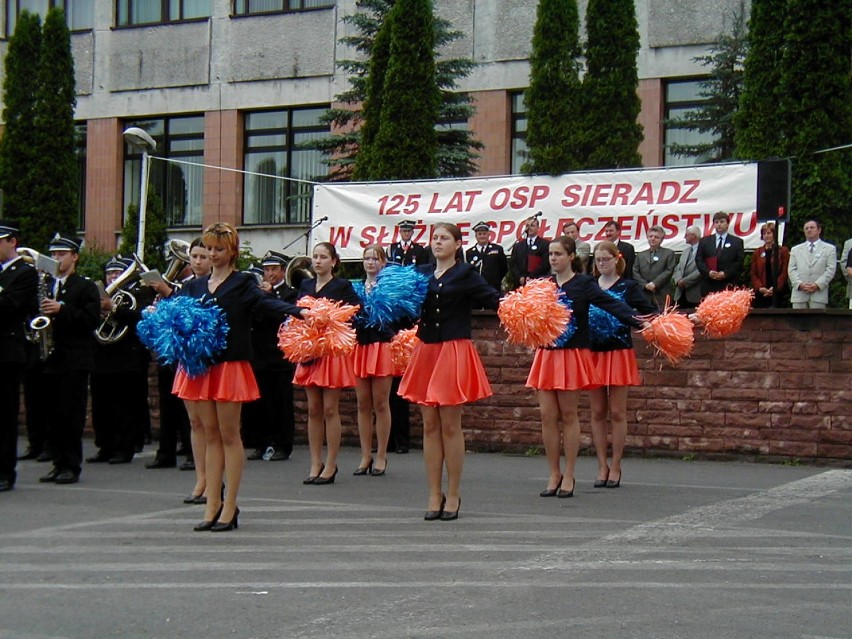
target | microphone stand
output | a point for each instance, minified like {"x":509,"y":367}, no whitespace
{"x":305,"y":235}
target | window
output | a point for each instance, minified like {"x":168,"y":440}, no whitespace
{"x":272,"y":148}
{"x":519,"y":132}
{"x":683,"y":96}
{"x":81,"y":175}
{"x":79,"y":14}
{"x":131,"y":12}
{"x":179,"y":186}
{"x":251,"y":7}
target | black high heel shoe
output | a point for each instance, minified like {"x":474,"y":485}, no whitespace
{"x":601,"y":483}
{"x":450,"y":515}
{"x":614,"y":483}
{"x":364,"y":470}
{"x":322,"y":481}
{"x":208,"y":524}
{"x":564,"y":494}
{"x":195,"y":499}
{"x":551,"y":492}
{"x":312,"y":478}
{"x":225,"y":527}
{"x":376,"y":472}
{"x":432,"y":515}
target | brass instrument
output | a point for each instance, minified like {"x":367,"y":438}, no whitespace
{"x":109,"y":331}
{"x":178,"y":251}
{"x":298,"y":269}
{"x":39,"y":331}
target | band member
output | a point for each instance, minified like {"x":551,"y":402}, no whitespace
{"x":119,"y":382}
{"x":18,"y":301}
{"x":529,"y":255}
{"x":74,"y":309}
{"x":488,"y":258}
{"x":406,"y":251}
{"x":270,"y":421}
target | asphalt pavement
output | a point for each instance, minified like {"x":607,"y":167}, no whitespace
{"x":682,"y":549}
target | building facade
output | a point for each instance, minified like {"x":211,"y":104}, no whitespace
{"x":238,"y":84}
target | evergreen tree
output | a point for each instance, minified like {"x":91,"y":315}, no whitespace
{"x":610,"y":134}
{"x":405,"y":146}
{"x":757,"y":123}
{"x":18,"y":143}
{"x":721,"y":92}
{"x":553,"y":97}
{"x":156,"y":232}
{"x":54,"y":171}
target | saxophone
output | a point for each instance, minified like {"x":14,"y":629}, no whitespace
{"x":39,"y":331}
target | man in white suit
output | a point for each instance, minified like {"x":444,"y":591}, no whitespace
{"x":847,"y":268}
{"x":687,"y":277}
{"x":812,"y":266}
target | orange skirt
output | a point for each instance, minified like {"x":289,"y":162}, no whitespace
{"x":374,"y":360}
{"x":327,"y":372}
{"x":444,"y":374}
{"x":563,"y":369}
{"x":618,"y":368}
{"x":223,"y":382}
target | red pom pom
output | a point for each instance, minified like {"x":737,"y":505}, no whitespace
{"x":723,"y":313}
{"x":402,"y":346}
{"x":671,"y":335}
{"x":326,"y":333}
{"x":532,"y":314}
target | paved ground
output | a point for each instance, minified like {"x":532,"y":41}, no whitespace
{"x":682,"y":549}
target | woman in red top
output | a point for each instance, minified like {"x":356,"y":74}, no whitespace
{"x":769,"y":271}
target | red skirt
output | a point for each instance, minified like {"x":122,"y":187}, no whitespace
{"x":223,"y":382}
{"x":374,"y":360}
{"x":327,"y":372}
{"x":618,"y":368}
{"x":563,"y":369}
{"x":444,"y":374}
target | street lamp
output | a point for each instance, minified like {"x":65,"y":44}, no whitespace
{"x":140,"y":139}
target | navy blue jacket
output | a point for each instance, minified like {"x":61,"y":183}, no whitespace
{"x":446,"y":310}
{"x":634,"y":297}
{"x":18,"y":303}
{"x":74,"y":326}
{"x":264,"y":334}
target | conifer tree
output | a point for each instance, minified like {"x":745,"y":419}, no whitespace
{"x":18,"y":142}
{"x":553,"y":97}
{"x":610,"y":134}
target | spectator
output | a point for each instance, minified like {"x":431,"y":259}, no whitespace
{"x":720,"y":257}
{"x":687,"y":292}
{"x":846,"y":261}
{"x":769,"y":271}
{"x":612,"y":230}
{"x":811,"y":269}
{"x":529,"y":255}
{"x":488,"y":258}
{"x":584,"y":250}
{"x":653,"y":269}
{"x":406,"y":251}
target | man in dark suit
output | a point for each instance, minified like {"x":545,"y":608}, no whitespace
{"x":487,"y":257}
{"x":18,"y":296}
{"x":406,"y":251}
{"x":530,"y":257}
{"x":612,"y":231}
{"x":720,"y":257}
{"x":653,"y":268}
{"x":74,"y":309}
{"x":270,"y":421}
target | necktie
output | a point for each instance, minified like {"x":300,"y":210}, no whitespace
{"x":811,"y":248}
{"x":689,"y":254}
{"x":531,"y":242}
{"x":719,"y":246}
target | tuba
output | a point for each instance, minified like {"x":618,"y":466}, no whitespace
{"x":39,"y":331}
{"x":298,"y":269}
{"x":109,"y":331}
{"x":178,"y":257}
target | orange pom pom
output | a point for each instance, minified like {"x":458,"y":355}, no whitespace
{"x":402,"y":346}
{"x":723,"y":313}
{"x":532,"y":314}
{"x":326,"y":333}
{"x":671,"y":335}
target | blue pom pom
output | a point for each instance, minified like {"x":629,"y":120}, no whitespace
{"x":605,"y":328}
{"x":184,"y":331}
{"x":398,"y":295}
{"x":569,"y":331}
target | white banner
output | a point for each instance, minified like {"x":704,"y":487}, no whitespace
{"x":366,"y":213}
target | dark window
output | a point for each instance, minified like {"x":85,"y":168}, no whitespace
{"x":79,"y":14}
{"x":272,"y":149}
{"x":81,"y":176}
{"x":131,"y":12}
{"x":251,"y":7}
{"x":519,"y":132}
{"x":180,"y":186}
{"x":683,"y":96}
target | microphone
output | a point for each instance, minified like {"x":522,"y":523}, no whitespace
{"x":324,"y":218}
{"x":539,"y":214}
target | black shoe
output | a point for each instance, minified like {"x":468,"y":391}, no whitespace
{"x":195,"y":499}
{"x":312,"y":478}
{"x":551,"y":492}
{"x":44,"y":456}
{"x":208,"y":524}
{"x":159,"y":462}
{"x":225,"y":527}
{"x":50,"y":477}
{"x":364,"y":470}
{"x":378,"y":472}
{"x":322,"y":481}
{"x":613,"y":484}
{"x":120,"y":459}
{"x":189,"y":464}
{"x":6,"y":485}
{"x":564,"y":494}
{"x":451,"y":515}
{"x":29,"y":453}
{"x":256,"y":455}
{"x":432,"y":515}
{"x":183,"y":451}
{"x":601,"y":483}
{"x":67,"y":477}
{"x":278,"y":455}
{"x":402,"y":450}
{"x":101,"y":457}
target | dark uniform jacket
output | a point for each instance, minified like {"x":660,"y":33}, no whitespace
{"x":73,"y":326}
{"x":128,"y":353}
{"x":730,"y":260}
{"x":635,"y":298}
{"x":18,"y":303}
{"x":490,"y":262}
{"x":264,"y":334}
{"x":416,"y":254}
{"x":520,"y":261}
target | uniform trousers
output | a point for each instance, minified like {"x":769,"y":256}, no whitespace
{"x":119,"y":410}
{"x":271,"y":420}
{"x":37,"y":405}
{"x":67,"y":418}
{"x":10,"y":389}
{"x":174,"y":420}
{"x":400,"y":419}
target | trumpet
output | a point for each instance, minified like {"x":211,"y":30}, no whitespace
{"x":39,"y":331}
{"x":178,"y":251}
{"x":298,"y":269}
{"x":110,"y":331}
